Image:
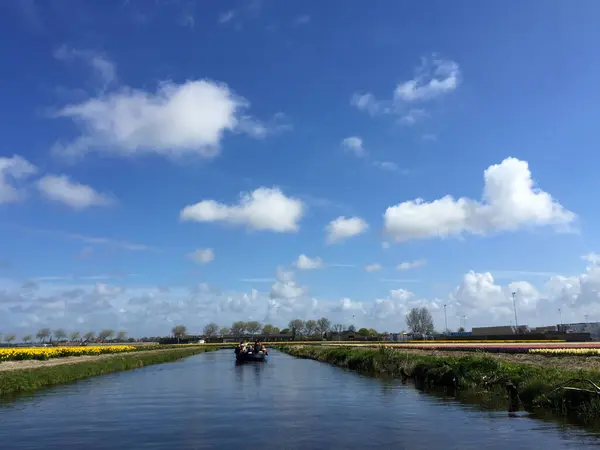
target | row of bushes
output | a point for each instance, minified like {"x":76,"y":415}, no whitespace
{"x":15,"y":381}
{"x":531,"y":386}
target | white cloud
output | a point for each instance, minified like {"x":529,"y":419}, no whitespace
{"x":263,"y":209}
{"x":593,"y":258}
{"x":407,"y":265}
{"x":373,"y":267}
{"x":343,"y":228}
{"x":13,"y":169}
{"x":510,"y":201}
{"x":202,"y":255}
{"x":285,"y":287}
{"x":354,"y":144}
{"x":302,"y":20}
{"x":226,"y":16}
{"x":102,"y":66}
{"x":386,"y":165}
{"x":190,"y":118}
{"x":61,"y":189}
{"x":433,"y":80}
{"x":305,"y":263}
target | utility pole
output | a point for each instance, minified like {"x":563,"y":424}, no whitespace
{"x":586,"y":320}
{"x":445,"y":320}
{"x":560,"y":314}
{"x":515,"y":309}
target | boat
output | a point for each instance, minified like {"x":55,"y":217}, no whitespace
{"x":248,"y":354}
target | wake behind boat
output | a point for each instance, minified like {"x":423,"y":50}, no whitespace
{"x":246,"y":352}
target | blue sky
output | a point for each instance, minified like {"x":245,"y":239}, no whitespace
{"x":330,"y":120}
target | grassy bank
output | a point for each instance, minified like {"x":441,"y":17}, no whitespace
{"x":528,"y":386}
{"x":15,"y":381}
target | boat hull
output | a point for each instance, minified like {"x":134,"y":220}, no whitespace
{"x":249,"y":357}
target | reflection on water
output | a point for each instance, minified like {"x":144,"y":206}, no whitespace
{"x":209,"y":402}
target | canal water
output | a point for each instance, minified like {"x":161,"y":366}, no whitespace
{"x":207,"y":402}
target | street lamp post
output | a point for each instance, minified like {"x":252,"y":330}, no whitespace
{"x":515,"y":309}
{"x":560,"y":314}
{"x":445,"y":320}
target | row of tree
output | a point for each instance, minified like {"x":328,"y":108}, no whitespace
{"x":46,"y":334}
{"x":418,"y":321}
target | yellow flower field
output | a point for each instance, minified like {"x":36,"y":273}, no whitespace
{"x":566,"y":351}
{"x":15,"y":354}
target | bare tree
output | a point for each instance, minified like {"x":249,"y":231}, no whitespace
{"x":310,"y":327}
{"x":43,"y":334}
{"x":419,"y":321}
{"x":224,"y":331}
{"x":60,"y":334}
{"x":105,"y":334}
{"x":27,"y":338}
{"x":238,"y":328}
{"x":75,"y":336}
{"x":211,"y":329}
{"x":337,"y":328}
{"x":352,"y":328}
{"x":179,"y":331}
{"x":323,"y":325}
{"x":121,"y":336}
{"x":296,"y":327}
{"x":9,"y":338}
{"x":89,"y":336}
{"x":253,"y":327}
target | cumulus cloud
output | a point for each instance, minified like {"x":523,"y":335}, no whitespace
{"x":202,"y":255}
{"x":354,"y":144}
{"x":61,"y":189}
{"x":510,"y":201}
{"x":305,"y":263}
{"x":434,"y":78}
{"x":373,"y":267}
{"x":190,"y":118}
{"x":265,"y":209}
{"x":407,"y":265}
{"x":343,"y":228}
{"x":12,"y":170}
{"x":285,"y":287}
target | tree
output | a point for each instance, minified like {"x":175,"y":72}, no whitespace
{"x":296,"y":326}
{"x":253,"y":327}
{"x":364,"y":332}
{"x":373,"y":332}
{"x":105,"y":334}
{"x":179,"y":331}
{"x":121,"y":336}
{"x":211,"y":329}
{"x":238,"y":328}
{"x":419,"y":321}
{"x":285,"y":331}
{"x":337,"y":328}
{"x":352,"y":328}
{"x":75,"y":336}
{"x":9,"y":338}
{"x":269,"y":329}
{"x":43,"y":334}
{"x":60,"y":334}
{"x":223,"y":331}
{"x":310,"y":326}
{"x":27,"y":338}
{"x":89,"y":336}
{"x":323,"y":325}
{"x":461,"y":330}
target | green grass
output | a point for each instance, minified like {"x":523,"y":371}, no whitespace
{"x":535,"y":384}
{"x":27,"y":380}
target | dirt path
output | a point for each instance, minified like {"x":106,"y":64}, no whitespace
{"x":559,"y":362}
{"x":34,"y":363}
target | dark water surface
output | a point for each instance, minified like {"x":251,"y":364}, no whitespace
{"x":206,"y":402}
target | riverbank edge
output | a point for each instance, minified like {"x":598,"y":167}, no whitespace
{"x":29,"y":380}
{"x":529,"y":387}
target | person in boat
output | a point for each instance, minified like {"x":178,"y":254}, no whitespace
{"x":239,"y":348}
{"x":257,"y":346}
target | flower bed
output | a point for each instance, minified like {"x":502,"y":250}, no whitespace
{"x":16,"y":354}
